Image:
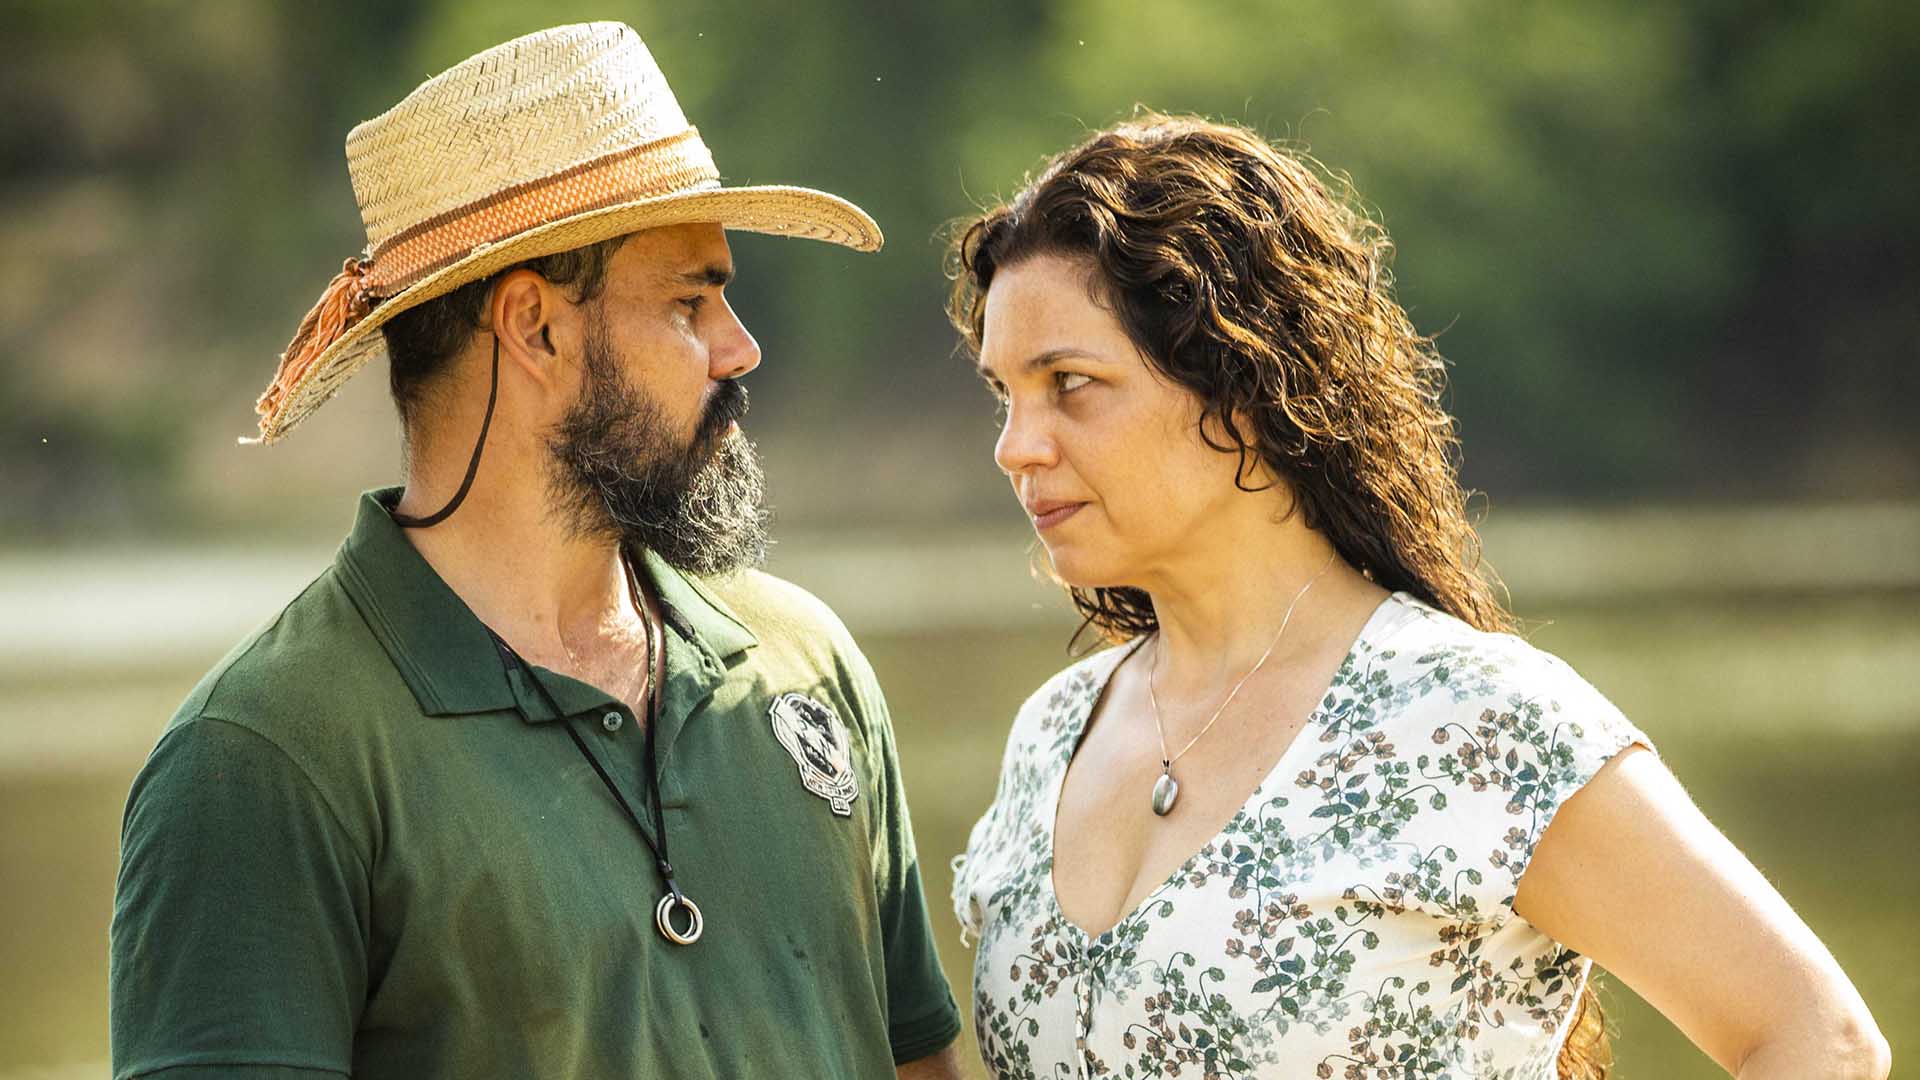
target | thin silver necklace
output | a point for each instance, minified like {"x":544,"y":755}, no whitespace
{"x":1166,"y":790}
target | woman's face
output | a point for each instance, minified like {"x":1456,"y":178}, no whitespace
{"x":1103,"y":452}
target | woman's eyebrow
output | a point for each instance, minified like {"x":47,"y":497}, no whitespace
{"x":1041,"y":360}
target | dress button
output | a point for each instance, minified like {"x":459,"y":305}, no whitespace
{"x":612,"y":721}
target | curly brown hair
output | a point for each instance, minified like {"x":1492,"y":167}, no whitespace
{"x":1249,"y":278}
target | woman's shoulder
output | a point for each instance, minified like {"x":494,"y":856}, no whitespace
{"x":1085,"y":672}
{"x":1493,"y":732}
{"x":1038,"y":747}
{"x":1057,"y":702}
{"x":1423,"y":635}
{"x":1416,"y":641}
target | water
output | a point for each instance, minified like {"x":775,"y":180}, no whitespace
{"x":1794,"y":721}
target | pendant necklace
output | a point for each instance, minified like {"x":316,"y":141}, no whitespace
{"x":674,"y":902}
{"x":1166,"y":790}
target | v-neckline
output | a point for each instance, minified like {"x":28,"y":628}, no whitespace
{"x":1091,"y":703}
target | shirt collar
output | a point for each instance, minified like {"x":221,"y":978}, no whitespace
{"x":446,"y":655}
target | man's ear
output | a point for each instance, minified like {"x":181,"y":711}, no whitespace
{"x":521,"y":313}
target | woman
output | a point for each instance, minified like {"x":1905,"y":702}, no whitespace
{"x":1318,"y":813}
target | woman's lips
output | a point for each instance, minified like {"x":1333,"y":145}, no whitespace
{"x":1048,"y":515}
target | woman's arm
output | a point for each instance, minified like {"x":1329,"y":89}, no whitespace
{"x":1631,"y":874}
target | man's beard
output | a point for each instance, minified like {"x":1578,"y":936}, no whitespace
{"x":619,"y":473}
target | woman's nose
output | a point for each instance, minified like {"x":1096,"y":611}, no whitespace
{"x":1024,"y":443}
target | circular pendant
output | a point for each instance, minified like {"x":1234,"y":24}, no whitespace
{"x":1166,"y":791}
{"x":663,"y":918}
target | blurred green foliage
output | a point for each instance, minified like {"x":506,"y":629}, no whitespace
{"x":1669,"y":248}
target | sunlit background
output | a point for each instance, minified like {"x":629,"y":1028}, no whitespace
{"x":1672,"y":251}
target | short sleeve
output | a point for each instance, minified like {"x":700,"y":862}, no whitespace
{"x":968,"y":910}
{"x":239,"y":923}
{"x":1508,"y":761}
{"x":921,"y":1015}
{"x":987,"y":838}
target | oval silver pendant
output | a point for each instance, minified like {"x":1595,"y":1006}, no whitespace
{"x":1166,"y":791}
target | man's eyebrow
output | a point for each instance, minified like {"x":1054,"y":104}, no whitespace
{"x":713,"y":274}
{"x":1040,"y":360}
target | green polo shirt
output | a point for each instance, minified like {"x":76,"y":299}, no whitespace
{"x":364,"y":846}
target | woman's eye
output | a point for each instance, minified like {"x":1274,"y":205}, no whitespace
{"x":1068,"y":381}
{"x":999,"y":395}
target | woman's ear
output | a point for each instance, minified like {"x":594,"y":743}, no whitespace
{"x":1234,"y":433}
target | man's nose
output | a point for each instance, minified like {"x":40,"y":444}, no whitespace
{"x":733,"y":352}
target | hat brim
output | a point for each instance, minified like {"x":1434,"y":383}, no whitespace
{"x":773,"y":209}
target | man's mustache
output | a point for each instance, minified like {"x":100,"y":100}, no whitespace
{"x":728,"y":404}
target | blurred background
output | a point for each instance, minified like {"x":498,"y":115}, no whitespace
{"x":1672,"y":252}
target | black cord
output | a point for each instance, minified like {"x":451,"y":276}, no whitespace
{"x":407,"y":521}
{"x":659,"y":850}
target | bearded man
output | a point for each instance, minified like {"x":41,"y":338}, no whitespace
{"x":513,"y":789}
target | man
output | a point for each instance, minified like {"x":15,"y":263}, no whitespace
{"x":517,"y":786}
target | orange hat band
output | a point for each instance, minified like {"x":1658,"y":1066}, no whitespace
{"x":675,"y":164}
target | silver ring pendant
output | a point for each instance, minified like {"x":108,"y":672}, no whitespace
{"x":663,"y":918}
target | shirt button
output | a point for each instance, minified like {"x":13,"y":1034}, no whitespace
{"x":612,"y":721}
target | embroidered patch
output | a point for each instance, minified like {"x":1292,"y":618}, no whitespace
{"x":818,"y":742}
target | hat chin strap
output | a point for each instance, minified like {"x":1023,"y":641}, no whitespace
{"x":407,"y":521}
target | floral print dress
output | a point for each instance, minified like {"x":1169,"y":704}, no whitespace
{"x":1355,"y":917}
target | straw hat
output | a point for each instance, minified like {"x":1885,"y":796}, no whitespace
{"x":550,"y":142}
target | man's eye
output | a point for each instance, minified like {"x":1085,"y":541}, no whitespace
{"x":1068,"y":381}
{"x":693,"y":303}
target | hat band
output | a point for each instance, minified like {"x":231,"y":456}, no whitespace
{"x":677,"y":163}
